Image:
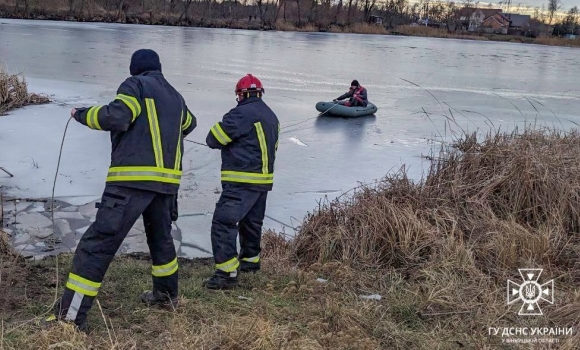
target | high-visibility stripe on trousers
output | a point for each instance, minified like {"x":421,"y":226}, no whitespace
{"x":242,"y":208}
{"x":119,"y":209}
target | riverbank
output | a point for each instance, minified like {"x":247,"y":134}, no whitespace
{"x":441,"y":33}
{"x":395,"y":265}
{"x":14,"y":93}
{"x":172,"y":19}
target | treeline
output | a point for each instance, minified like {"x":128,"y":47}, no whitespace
{"x":264,"y":14}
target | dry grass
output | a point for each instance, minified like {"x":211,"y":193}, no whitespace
{"x":486,"y":209}
{"x":364,"y":28}
{"x":435,"y":33}
{"x":287,"y":26}
{"x":438,"y":252}
{"x":14,"y":93}
{"x":558,"y":42}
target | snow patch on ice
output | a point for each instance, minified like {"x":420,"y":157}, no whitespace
{"x":296,"y":141}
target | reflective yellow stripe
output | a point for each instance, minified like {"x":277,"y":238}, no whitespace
{"x":90,"y":117}
{"x":144,"y":173}
{"x":165,"y":270}
{"x":220,"y":135}
{"x":155,"y":134}
{"x":178,"y":152}
{"x":244,"y":177}
{"x":255,"y":259}
{"x":142,"y":178}
{"x":82,"y":285}
{"x":132,"y":103}
{"x":93,"y":118}
{"x":229,"y":266}
{"x":145,"y":168}
{"x":263,"y":147}
{"x":188,"y":121}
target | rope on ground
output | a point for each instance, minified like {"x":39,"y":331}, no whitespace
{"x":52,"y":206}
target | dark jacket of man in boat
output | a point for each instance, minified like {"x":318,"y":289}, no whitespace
{"x":357,"y":95}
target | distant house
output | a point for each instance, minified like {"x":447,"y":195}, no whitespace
{"x":492,"y":21}
{"x":471,"y":19}
{"x":496,"y":24}
{"x":376,"y":20}
{"x":519,"y":24}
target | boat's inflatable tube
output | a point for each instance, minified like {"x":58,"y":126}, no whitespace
{"x":331,"y":108}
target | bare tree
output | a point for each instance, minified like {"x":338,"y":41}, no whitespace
{"x":368,"y":6}
{"x":298,"y":4}
{"x":553,"y":7}
{"x":313,"y":16}
{"x":185,"y":10}
{"x":348,"y":14}
{"x":571,"y":20}
{"x":120,"y":4}
{"x":338,"y":8}
{"x":262,"y":9}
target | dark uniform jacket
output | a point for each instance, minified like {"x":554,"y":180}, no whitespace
{"x":248,"y":139}
{"x":148,"y":121}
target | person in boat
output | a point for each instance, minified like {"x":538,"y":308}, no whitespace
{"x":357,"y":96}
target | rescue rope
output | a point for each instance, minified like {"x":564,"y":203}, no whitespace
{"x":285,"y":127}
{"x":56,"y":175}
{"x":52,"y":213}
{"x":197,"y":143}
{"x":305,"y":120}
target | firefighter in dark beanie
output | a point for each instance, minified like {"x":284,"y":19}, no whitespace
{"x":248,"y":138}
{"x":148,"y":120}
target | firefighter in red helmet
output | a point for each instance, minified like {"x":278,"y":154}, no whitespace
{"x":248,"y":139}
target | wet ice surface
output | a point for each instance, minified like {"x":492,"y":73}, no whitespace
{"x":475,"y":85}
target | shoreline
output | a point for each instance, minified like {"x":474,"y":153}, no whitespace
{"x":288,"y":26}
{"x":393,"y":265}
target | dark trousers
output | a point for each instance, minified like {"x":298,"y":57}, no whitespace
{"x":353,"y":102}
{"x":240,"y":209}
{"x":119,"y":209}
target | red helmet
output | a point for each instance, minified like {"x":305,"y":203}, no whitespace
{"x":249,"y":83}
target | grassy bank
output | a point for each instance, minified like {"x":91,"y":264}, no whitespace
{"x":14,"y":93}
{"x":443,"y":33}
{"x":200,"y":15}
{"x":438,"y":252}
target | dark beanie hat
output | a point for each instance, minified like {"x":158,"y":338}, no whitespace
{"x":354,"y":83}
{"x":144,"y":60}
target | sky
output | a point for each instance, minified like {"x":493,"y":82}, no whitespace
{"x":566,"y":4}
{"x":522,"y":4}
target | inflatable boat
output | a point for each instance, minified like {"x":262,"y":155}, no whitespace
{"x":332,"y":108}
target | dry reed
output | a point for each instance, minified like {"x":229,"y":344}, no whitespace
{"x":14,"y":93}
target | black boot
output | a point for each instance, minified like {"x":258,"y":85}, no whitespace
{"x":222,"y":280}
{"x":50,"y":321}
{"x":157,"y":298}
{"x":250,"y":267}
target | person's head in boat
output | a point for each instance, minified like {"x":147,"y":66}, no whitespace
{"x":144,"y":60}
{"x":354,"y":84}
{"x":249,"y":86}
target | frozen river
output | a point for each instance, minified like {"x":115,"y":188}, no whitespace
{"x":478,"y":83}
